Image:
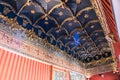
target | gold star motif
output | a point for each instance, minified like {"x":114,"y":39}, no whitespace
{"x":32,"y":11}
{"x":57,"y":31}
{"x":86,"y":16}
{"x":75,"y":21}
{"x":84,"y":39}
{"x":46,"y":18}
{"x":78,"y":1}
{"x":92,"y":26}
{"x":46,"y":22}
{"x":60,"y":13}
{"x":70,"y":24}
{"x":47,"y":1}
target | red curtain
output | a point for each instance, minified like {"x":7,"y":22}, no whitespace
{"x":109,"y":17}
{"x":15,"y":67}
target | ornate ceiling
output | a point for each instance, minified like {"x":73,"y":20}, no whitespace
{"x":71,"y":25}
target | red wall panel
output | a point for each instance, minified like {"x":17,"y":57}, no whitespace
{"x":15,"y":67}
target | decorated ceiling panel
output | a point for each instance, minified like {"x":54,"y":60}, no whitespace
{"x":70,"y":25}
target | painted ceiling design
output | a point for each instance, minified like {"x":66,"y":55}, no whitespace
{"x":71,"y":25}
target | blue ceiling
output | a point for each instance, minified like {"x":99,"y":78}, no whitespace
{"x":72,"y":27}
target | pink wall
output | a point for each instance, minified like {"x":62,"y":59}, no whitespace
{"x":14,"y":67}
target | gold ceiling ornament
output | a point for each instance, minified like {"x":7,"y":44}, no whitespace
{"x":92,"y":26}
{"x":28,"y":3}
{"x":75,"y":21}
{"x":64,"y":0}
{"x":57,"y":31}
{"x":63,"y":6}
{"x":86,"y":15}
{"x":78,"y":1}
{"x":70,"y":24}
{"x":32,"y":11}
{"x":47,"y":1}
{"x":46,"y":22}
{"x":60,"y":13}
{"x":46,"y":18}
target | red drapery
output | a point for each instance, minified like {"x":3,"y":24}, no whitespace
{"x":15,"y":67}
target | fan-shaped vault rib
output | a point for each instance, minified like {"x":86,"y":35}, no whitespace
{"x":23,"y":16}
{"x":63,"y":36}
{"x":67,"y":19}
{"x":91,"y":21}
{"x":59,"y":5}
{"x":44,"y":16}
{"x":56,"y":6}
{"x":96,"y":31}
{"x":26,"y":4}
{"x":85,"y":9}
{"x":39,"y":27}
{"x":75,"y":30}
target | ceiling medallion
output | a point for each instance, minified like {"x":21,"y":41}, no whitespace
{"x":46,"y":22}
{"x":47,"y":1}
{"x":92,"y":26}
{"x":86,"y":16}
{"x":32,"y":11}
{"x":78,"y":1}
{"x":83,"y":39}
{"x":70,"y":24}
{"x":75,"y":21}
{"x":60,"y":13}
{"x":46,"y":18}
{"x":57,"y":31}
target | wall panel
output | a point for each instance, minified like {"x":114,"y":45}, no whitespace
{"x":59,"y":73}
